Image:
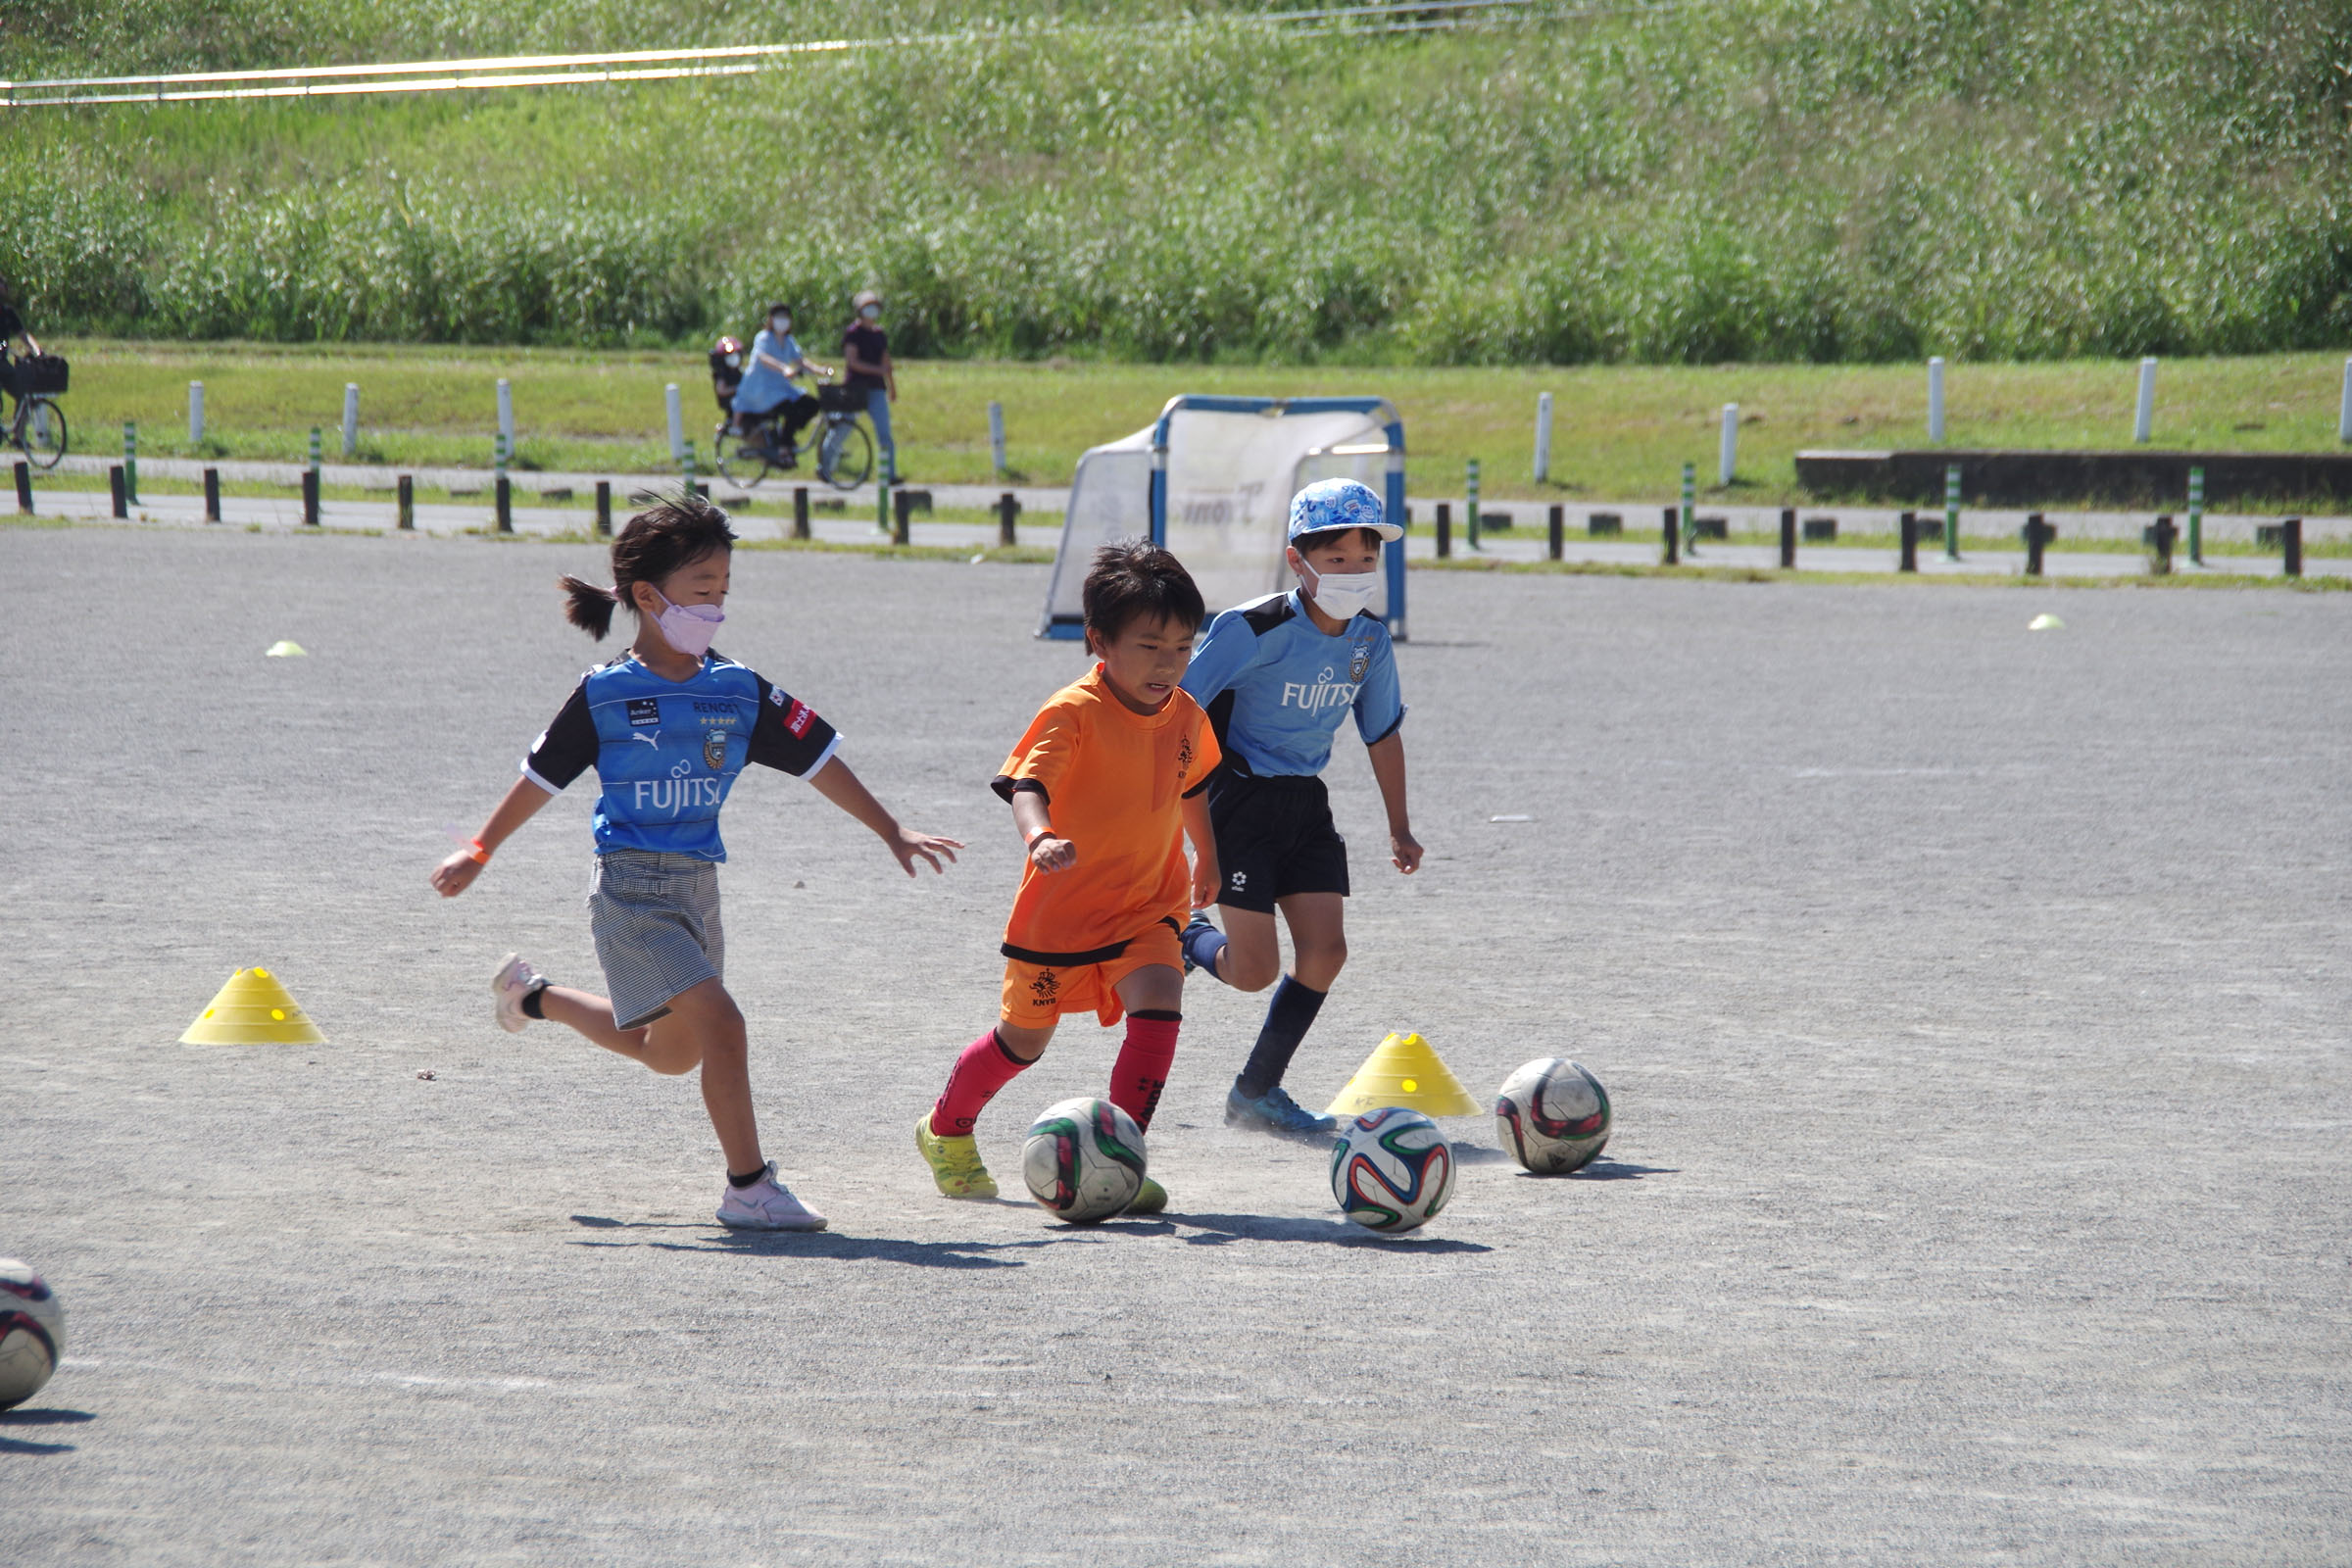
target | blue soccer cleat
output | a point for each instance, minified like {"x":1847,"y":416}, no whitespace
{"x":1277,"y":1112}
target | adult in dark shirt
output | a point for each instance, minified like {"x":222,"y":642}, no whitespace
{"x":12,"y":327}
{"x":865,"y":352}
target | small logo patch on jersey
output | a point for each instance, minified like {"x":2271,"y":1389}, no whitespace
{"x":1045,"y":988}
{"x":1184,"y":758}
{"x":644,"y":711}
{"x":1360,"y":662}
{"x":797,"y":717}
{"x":714,"y":749}
{"x":775,"y":695}
{"x":1239,"y":882}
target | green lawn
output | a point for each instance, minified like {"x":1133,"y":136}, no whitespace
{"x":1620,"y":433}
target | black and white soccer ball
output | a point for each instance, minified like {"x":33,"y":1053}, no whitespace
{"x":1552,"y":1116}
{"x":1084,"y":1160}
{"x":32,"y":1331}
{"x":1391,"y":1169}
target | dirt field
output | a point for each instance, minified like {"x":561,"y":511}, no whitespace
{"x":1974,"y":1001}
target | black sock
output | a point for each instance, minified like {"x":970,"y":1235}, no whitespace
{"x":1289,"y":1016}
{"x":530,"y":1002}
{"x":734,"y":1180}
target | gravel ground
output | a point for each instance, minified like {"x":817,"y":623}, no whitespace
{"x":1974,"y":1001}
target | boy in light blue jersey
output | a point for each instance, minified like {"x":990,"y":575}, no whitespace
{"x":668,"y":726}
{"x":1278,"y":676}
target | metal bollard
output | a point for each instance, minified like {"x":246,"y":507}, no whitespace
{"x":130,"y":459}
{"x":1555,"y":529}
{"x":503,"y":492}
{"x":211,"y":495}
{"x":1470,"y":504}
{"x":310,"y":498}
{"x":902,"y":523}
{"x":2160,"y":546}
{"x":1908,"y":529}
{"x":195,"y":414}
{"x":1690,"y":509}
{"x":2290,"y":545}
{"x":995,"y":439}
{"x":1787,"y":538}
{"x":800,"y":512}
{"x":2038,"y":539}
{"x":113,"y":484}
{"x":350,"y":419}
{"x":1444,"y":530}
{"x":1009,"y":507}
{"x":1670,"y":535}
{"x":1543,"y":438}
{"x":2196,"y":515}
{"x":1951,"y":512}
{"x":604,"y":508}
{"x":24,"y":487}
{"x":404,"y":490}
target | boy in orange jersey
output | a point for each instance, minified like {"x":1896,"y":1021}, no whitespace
{"x":1104,"y":787}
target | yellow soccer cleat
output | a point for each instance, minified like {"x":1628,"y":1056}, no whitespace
{"x":954,"y":1162}
{"x":1150,"y":1198}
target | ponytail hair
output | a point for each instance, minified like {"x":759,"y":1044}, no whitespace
{"x":672,"y":533}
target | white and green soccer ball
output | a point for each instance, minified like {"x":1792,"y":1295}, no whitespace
{"x":1084,"y":1160}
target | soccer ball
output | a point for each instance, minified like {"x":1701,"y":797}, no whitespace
{"x":1084,"y":1160}
{"x":1552,"y":1116}
{"x":32,"y":1331}
{"x":1391,"y":1169}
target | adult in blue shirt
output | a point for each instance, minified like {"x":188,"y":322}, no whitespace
{"x":1278,"y":676}
{"x":773,"y":382}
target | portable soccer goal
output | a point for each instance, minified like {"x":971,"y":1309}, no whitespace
{"x":1212,"y":479}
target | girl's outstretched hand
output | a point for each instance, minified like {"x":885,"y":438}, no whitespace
{"x":908,"y":845}
{"x":456,"y":875}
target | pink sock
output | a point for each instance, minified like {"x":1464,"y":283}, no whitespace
{"x":984,"y":1068}
{"x":1142,"y":1070}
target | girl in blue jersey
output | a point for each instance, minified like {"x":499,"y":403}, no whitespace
{"x":668,"y":726}
{"x":1277,"y":677}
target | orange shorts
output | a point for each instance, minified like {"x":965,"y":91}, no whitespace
{"x":1037,"y":993}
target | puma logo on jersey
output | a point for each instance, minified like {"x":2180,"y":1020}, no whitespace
{"x":654,"y":740}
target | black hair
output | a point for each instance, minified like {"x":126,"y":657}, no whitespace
{"x":783,"y":310}
{"x":1316,"y":541}
{"x":1137,"y":580}
{"x":672,"y":533}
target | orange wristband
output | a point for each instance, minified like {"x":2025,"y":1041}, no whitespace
{"x":1041,"y":834}
{"x":475,"y":853}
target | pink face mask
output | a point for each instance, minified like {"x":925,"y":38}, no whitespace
{"x":688,"y":628}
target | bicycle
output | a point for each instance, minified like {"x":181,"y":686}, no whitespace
{"x":39,"y":427}
{"x":844,"y":447}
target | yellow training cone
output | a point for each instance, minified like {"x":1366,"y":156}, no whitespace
{"x":1403,"y":1070}
{"x":253,"y":1009}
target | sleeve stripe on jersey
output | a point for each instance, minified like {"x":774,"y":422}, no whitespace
{"x":822,"y":758}
{"x":529,"y":773}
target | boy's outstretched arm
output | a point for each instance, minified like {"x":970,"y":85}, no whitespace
{"x":836,"y":783}
{"x":1206,"y":878}
{"x":456,"y":875}
{"x":1388,"y":771}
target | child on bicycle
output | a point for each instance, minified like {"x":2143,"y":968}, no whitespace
{"x":668,"y":726}
{"x":1104,"y":788}
{"x":1277,"y":675}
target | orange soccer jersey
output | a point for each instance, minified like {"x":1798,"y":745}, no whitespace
{"x":1112,"y":780}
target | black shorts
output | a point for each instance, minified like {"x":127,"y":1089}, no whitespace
{"x":1274,"y":838}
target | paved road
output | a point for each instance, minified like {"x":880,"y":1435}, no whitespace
{"x":1974,"y":1001}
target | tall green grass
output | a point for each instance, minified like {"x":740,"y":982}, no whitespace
{"x":1759,"y":179}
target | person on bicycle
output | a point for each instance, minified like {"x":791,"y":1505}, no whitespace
{"x":865,"y":351}
{"x":771,"y":386}
{"x":12,"y":327}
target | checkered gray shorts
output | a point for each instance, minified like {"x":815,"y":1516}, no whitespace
{"x":655,"y":920}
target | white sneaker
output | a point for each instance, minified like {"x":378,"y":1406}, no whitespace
{"x":768,"y":1205}
{"x":514,"y":982}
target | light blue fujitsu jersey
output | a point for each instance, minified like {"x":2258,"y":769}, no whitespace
{"x":1277,"y":688}
{"x":667,"y":752}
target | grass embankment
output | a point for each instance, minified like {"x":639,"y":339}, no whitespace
{"x":1814,"y":181}
{"x":1620,"y":433}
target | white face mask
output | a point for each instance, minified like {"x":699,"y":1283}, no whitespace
{"x":1342,"y":595}
{"x":688,"y":628}
{"x":870,"y":313}
{"x":781,"y":326}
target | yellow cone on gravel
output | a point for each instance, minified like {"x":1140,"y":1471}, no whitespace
{"x":287,"y":649}
{"x":255,"y":1009}
{"x":1405,"y":1070}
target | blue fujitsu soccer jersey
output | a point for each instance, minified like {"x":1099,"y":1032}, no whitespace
{"x":1277,"y":688}
{"x":667,"y":752}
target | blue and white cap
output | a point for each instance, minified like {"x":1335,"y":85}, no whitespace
{"x":1333,"y":504}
